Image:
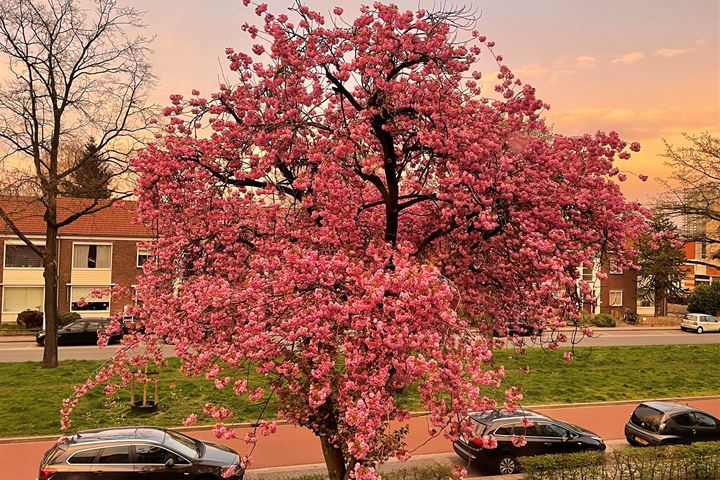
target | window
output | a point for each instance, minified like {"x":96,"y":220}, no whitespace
{"x":702,"y":251}
{"x":18,"y":299}
{"x":116,"y":455}
{"x":91,"y":256}
{"x":506,"y":430}
{"x":82,"y":300}
{"x":74,"y":327}
{"x":616,"y":298}
{"x":614,"y":268}
{"x":181,"y":443}
{"x":550,"y":430}
{"x":86,"y":456}
{"x":153,"y":455}
{"x":586,"y":274}
{"x":142,"y":256}
{"x":702,"y":420}
{"x":22,"y":256}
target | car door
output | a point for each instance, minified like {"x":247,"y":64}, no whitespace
{"x":712,"y":324}
{"x":552,"y":439}
{"x":71,"y":334}
{"x":114,"y":463}
{"x":151,"y":463}
{"x":90,"y":336}
{"x":534,"y":441}
{"x":704,"y":427}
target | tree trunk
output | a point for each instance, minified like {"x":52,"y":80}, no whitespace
{"x":50,"y":272}
{"x":660,"y":303}
{"x":334,"y":460}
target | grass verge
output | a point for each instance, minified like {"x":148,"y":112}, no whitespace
{"x":30,"y":397}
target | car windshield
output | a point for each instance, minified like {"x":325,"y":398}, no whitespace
{"x":182,"y":444}
{"x":568,"y":426}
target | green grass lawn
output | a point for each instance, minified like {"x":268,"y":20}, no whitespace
{"x":30,"y":397}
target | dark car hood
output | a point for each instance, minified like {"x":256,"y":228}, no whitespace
{"x":40,"y":334}
{"x":219,"y":455}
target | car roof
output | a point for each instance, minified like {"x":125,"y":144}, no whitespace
{"x":489,"y":416}
{"x":150,"y":434}
{"x":668,"y":407}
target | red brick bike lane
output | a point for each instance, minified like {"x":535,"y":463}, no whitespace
{"x":297,"y":446}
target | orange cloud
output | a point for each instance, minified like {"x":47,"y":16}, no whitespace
{"x":629,"y":58}
{"x":583,"y":62}
{"x":672,"y":52}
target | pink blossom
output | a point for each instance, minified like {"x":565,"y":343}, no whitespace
{"x":568,"y":356}
{"x":190,"y":420}
{"x":338,"y":10}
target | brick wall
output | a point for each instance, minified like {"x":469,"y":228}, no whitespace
{"x":124,"y":270}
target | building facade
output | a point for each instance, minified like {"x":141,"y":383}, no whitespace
{"x":96,"y":254}
{"x":616,"y":294}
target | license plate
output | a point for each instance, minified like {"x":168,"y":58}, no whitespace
{"x":641,"y":441}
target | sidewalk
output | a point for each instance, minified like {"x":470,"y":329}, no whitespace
{"x":16,"y":338}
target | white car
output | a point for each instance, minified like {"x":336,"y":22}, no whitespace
{"x":699,"y":322}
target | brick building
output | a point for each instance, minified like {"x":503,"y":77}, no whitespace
{"x":614,"y":295}
{"x":98,"y":251}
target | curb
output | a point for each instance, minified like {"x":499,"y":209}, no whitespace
{"x":195,"y":428}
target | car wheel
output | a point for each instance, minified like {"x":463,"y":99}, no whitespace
{"x":41,"y":342}
{"x":699,"y":330}
{"x":506,"y":465}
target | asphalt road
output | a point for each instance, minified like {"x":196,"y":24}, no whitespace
{"x":19,"y":461}
{"x":27,"y":350}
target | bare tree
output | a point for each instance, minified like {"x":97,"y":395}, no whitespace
{"x":77,"y":70}
{"x":693,"y":194}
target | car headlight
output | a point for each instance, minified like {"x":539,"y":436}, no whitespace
{"x":596,"y":438}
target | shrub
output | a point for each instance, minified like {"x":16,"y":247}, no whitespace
{"x":68,"y":317}
{"x":599,"y":320}
{"x":705,"y":299}
{"x":30,"y":319}
{"x":604,"y":320}
{"x":700,"y":461}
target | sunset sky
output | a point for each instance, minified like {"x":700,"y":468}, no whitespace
{"x":646,"y":68}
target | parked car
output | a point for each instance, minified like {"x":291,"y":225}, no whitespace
{"x":700,"y":322}
{"x":80,"y":332}
{"x":545,"y":436}
{"x":522,"y":329}
{"x":663,"y":423}
{"x":129,"y":453}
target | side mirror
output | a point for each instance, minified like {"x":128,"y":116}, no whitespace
{"x":170,"y":462}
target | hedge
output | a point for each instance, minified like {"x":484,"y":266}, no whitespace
{"x":700,"y":461}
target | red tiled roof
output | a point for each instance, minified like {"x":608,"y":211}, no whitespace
{"x":117,"y":220}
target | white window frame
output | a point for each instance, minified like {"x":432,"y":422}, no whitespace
{"x":2,"y":307}
{"x":138,"y":250}
{"x":19,"y":242}
{"x":610,"y":302}
{"x":91,"y":287}
{"x":72,"y":259}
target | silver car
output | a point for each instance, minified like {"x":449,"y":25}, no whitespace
{"x":700,"y":322}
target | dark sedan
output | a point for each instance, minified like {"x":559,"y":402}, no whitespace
{"x":80,"y":332}
{"x":664,"y":423}
{"x":545,"y":436}
{"x":130,"y":453}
